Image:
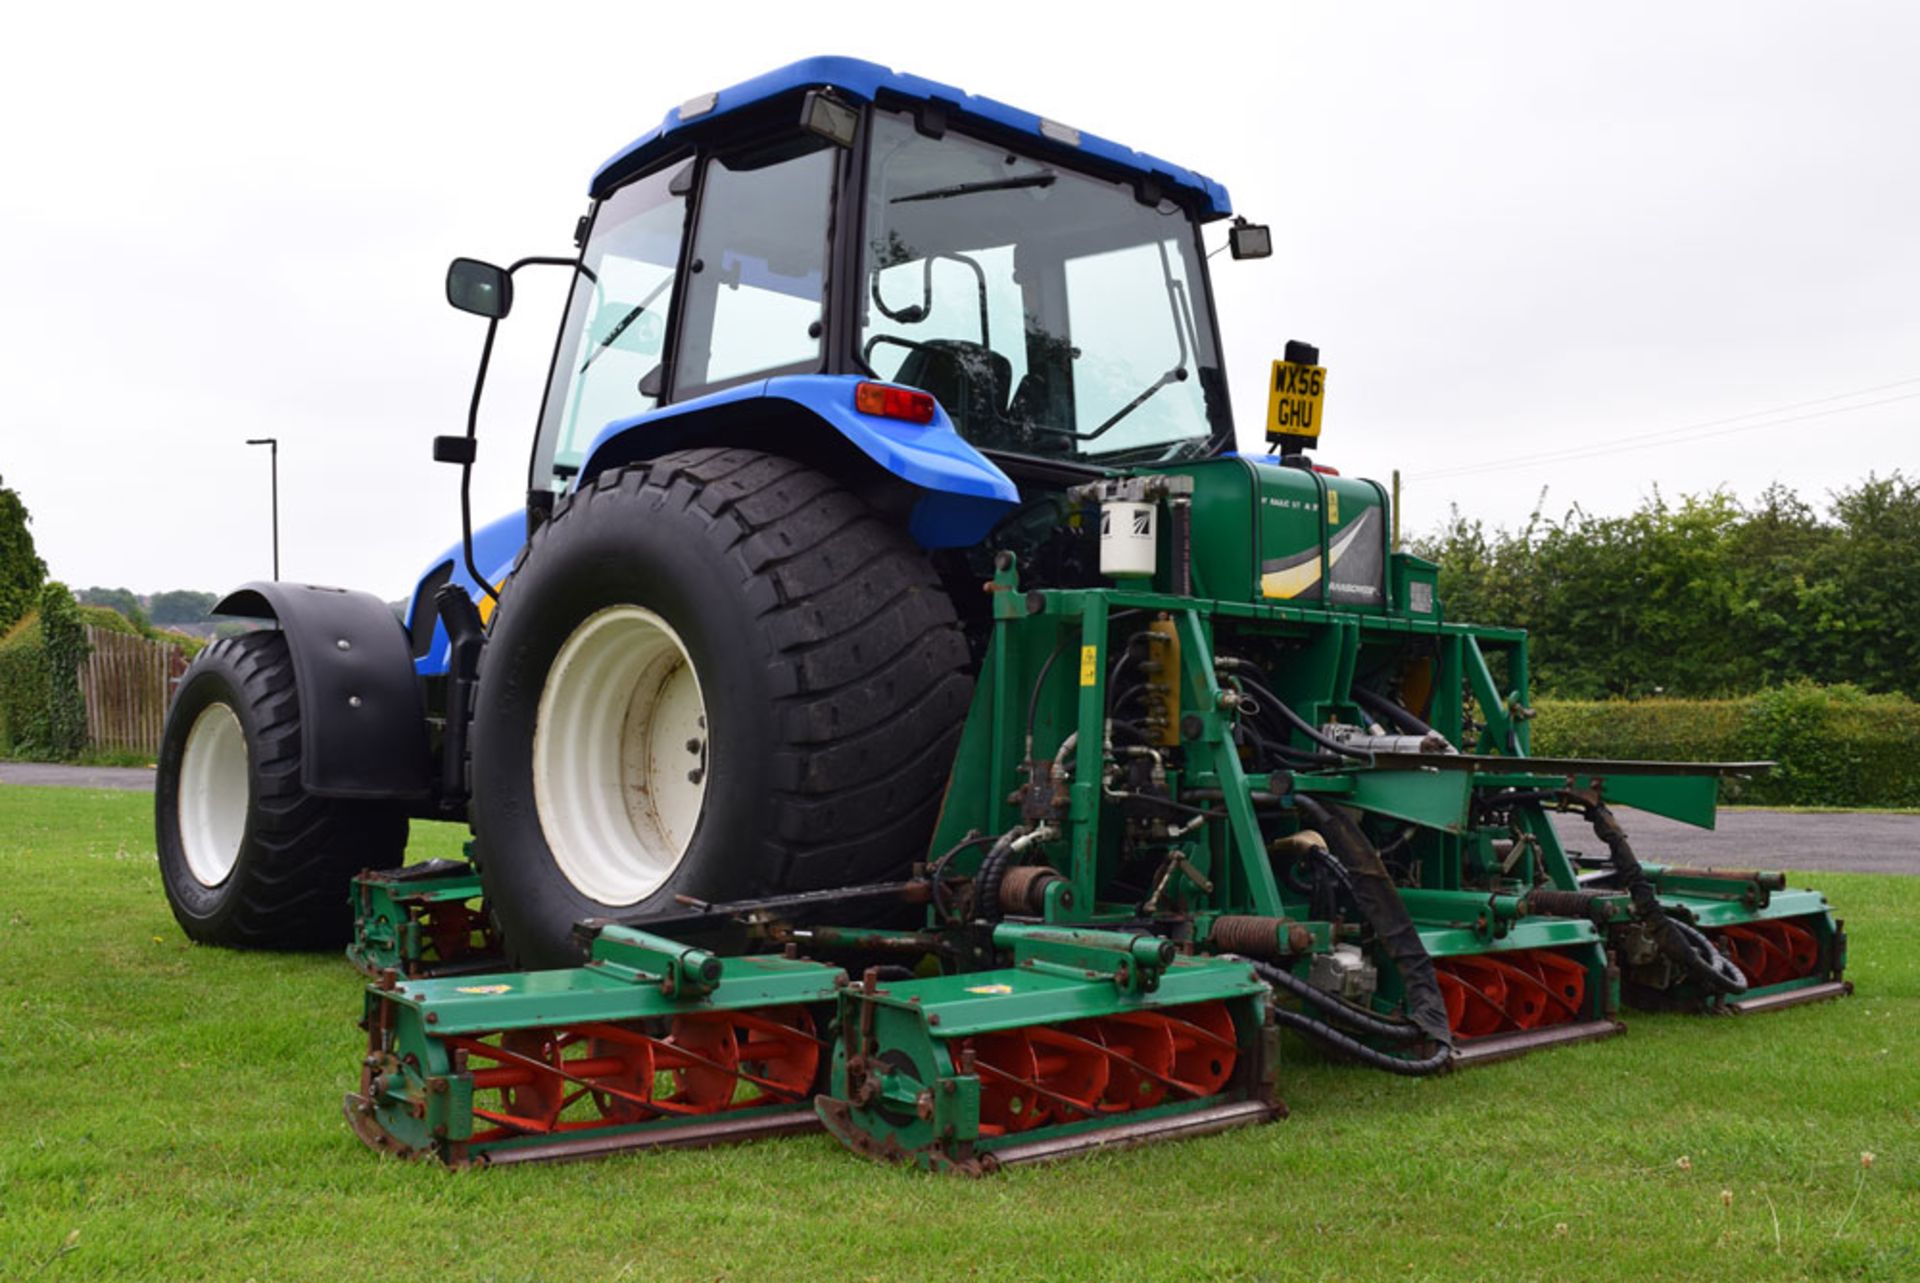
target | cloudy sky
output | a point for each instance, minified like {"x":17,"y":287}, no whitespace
{"x":1594,"y":249}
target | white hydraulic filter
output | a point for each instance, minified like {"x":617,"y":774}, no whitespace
{"x":1127,"y":542}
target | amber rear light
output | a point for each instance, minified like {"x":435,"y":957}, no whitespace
{"x":890,"y":402}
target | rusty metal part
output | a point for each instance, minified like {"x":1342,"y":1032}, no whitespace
{"x":1550,"y":903}
{"x":1023,"y":890}
{"x":721,"y":1130}
{"x":1259,"y":937}
{"x":1792,"y":997}
{"x":1204,"y":1122}
{"x":1766,"y":880}
{"x":1480,"y":1051}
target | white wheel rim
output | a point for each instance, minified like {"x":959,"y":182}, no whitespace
{"x":620,"y":755}
{"x":213,"y":794}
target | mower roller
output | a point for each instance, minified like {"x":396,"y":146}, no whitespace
{"x":899,"y":708}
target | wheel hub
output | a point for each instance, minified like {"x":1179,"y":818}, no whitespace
{"x":620,"y":755}
{"x":213,"y":794}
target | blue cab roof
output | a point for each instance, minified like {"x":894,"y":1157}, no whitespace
{"x":865,"y":80}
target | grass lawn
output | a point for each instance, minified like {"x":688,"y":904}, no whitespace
{"x":173,"y":1112}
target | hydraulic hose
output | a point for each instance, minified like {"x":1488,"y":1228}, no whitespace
{"x":1328,"y":1036}
{"x":1373,"y":890}
{"x":1337,"y":1008}
{"x":1388,"y":711}
{"x":1680,"y":941}
{"x":1301,"y":724}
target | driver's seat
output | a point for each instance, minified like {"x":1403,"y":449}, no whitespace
{"x":970,"y":381}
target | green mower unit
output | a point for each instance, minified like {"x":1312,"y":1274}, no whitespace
{"x":898,"y":708}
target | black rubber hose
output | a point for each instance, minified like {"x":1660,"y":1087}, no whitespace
{"x":993,"y":870}
{"x":1033,"y":700}
{"x":1321,"y":1032}
{"x":1301,"y":724}
{"x":1388,"y":711}
{"x":1373,"y":890}
{"x":1356,"y":1018}
{"x":1680,"y":941}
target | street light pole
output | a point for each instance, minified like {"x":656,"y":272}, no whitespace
{"x":273,"y":445}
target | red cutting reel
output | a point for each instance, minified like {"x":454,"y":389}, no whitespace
{"x":1510,"y":992}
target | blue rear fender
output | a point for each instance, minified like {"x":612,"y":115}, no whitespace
{"x":962,"y":494}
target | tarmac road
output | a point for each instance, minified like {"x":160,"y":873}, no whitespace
{"x":77,"y":777}
{"x":1856,"y":841}
{"x":1851,"y":841}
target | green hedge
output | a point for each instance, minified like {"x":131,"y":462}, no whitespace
{"x":42,"y":713}
{"x":1835,"y":745}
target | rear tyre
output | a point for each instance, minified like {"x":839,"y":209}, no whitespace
{"x":718,"y":674}
{"x":248,"y":858}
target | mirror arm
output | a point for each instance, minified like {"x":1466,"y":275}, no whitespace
{"x":473,"y":425}
{"x":466,"y":465}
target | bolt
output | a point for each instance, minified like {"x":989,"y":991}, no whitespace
{"x":433,"y":1017}
{"x":933,"y":1017}
{"x":949,"y":1086}
{"x":693,"y":745}
{"x":344,"y":644}
{"x":353,"y":701}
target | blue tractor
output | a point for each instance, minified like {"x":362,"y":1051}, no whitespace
{"x":826,"y":330}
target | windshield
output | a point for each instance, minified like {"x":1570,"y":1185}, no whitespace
{"x":614,"y":331}
{"x":1049,"y":313}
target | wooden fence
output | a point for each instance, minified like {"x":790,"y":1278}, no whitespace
{"x":127,"y":682}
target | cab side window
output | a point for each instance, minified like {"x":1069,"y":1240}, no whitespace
{"x":755,"y":279}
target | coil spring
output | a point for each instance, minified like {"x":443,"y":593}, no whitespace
{"x":1551,"y":903}
{"x":1258,"y":937}
{"x":1024,"y":888}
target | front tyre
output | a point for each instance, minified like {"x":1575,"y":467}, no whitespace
{"x":248,"y":858}
{"x":719,"y":675}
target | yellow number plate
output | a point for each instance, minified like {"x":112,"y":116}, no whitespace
{"x":1295,"y":399}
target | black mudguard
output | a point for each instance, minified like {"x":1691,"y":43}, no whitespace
{"x":363,"y":726}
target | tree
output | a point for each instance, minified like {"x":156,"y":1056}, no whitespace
{"x":180,"y":606}
{"x":1869,"y":620}
{"x":21,"y":570}
{"x":120,"y":599}
{"x":65,"y":638}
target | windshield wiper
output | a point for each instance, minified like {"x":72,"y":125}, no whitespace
{"x":620,"y":327}
{"x":1178,"y":374}
{"x":1045,"y":178}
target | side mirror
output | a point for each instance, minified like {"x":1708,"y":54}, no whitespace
{"x":480,"y":288}
{"x":1250,"y":240}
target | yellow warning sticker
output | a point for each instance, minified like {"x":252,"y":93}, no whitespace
{"x":990,"y":989}
{"x":486,"y":989}
{"x":1089,"y":665}
{"x":1333,"y":506}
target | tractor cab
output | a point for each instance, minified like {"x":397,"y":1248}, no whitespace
{"x":833,"y":223}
